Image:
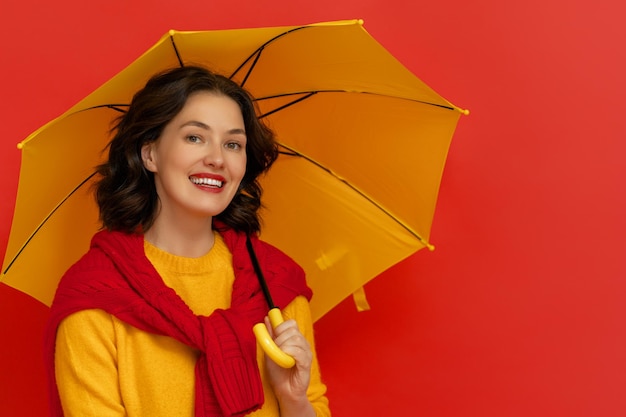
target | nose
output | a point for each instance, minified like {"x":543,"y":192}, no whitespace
{"x":214,"y":155}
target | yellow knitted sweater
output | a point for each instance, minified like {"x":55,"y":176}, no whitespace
{"x":105,"y":367}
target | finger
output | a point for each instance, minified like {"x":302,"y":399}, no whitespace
{"x":293,"y":343}
{"x":286,"y":327}
{"x":290,"y":340}
{"x":268,"y":324}
{"x":288,"y":335}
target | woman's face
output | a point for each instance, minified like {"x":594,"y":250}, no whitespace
{"x":200,"y":158}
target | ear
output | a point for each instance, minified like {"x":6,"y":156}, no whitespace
{"x":147,"y":156}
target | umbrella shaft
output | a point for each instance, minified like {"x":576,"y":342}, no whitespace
{"x":259,"y":274}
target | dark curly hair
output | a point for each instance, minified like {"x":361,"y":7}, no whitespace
{"x":126,"y":192}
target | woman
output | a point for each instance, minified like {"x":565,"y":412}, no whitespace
{"x":156,"y":319}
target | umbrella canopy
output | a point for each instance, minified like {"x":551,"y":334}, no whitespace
{"x":363,"y":147}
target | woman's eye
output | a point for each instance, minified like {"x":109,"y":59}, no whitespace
{"x":193,"y":138}
{"x":235,"y":146}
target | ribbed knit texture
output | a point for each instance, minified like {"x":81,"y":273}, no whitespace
{"x":116,"y":276}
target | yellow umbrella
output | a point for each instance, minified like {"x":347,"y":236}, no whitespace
{"x":363,"y":144}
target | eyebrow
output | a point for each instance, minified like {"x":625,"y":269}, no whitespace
{"x":196,"y":123}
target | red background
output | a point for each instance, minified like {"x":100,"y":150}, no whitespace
{"x":520,"y":310}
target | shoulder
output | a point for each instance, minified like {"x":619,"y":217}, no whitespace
{"x":93,"y":259}
{"x":89,"y":283}
{"x":97,"y":263}
{"x":91,"y":266}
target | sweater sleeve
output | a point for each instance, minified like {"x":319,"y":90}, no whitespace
{"x":300,"y":311}
{"x":86,"y":366}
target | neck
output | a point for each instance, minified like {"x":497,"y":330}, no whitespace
{"x":190,"y":238}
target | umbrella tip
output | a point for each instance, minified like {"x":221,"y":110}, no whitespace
{"x":428,"y":245}
{"x":361,"y":22}
{"x":20,"y":145}
{"x":466,"y":112}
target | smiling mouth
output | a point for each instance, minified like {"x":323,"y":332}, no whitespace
{"x":208,"y":182}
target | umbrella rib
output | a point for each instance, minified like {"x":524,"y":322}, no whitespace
{"x":293,"y":152}
{"x":116,"y":107}
{"x":291,"y":103}
{"x":257,"y":53}
{"x":180,"y":61}
{"x":44,"y":222}
{"x":308,"y":94}
{"x":257,"y":56}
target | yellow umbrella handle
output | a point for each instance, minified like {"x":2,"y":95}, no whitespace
{"x":267,"y":344}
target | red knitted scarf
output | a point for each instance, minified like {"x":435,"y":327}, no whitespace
{"x":116,"y":276}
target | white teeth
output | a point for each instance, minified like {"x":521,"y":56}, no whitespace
{"x":206,"y":181}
